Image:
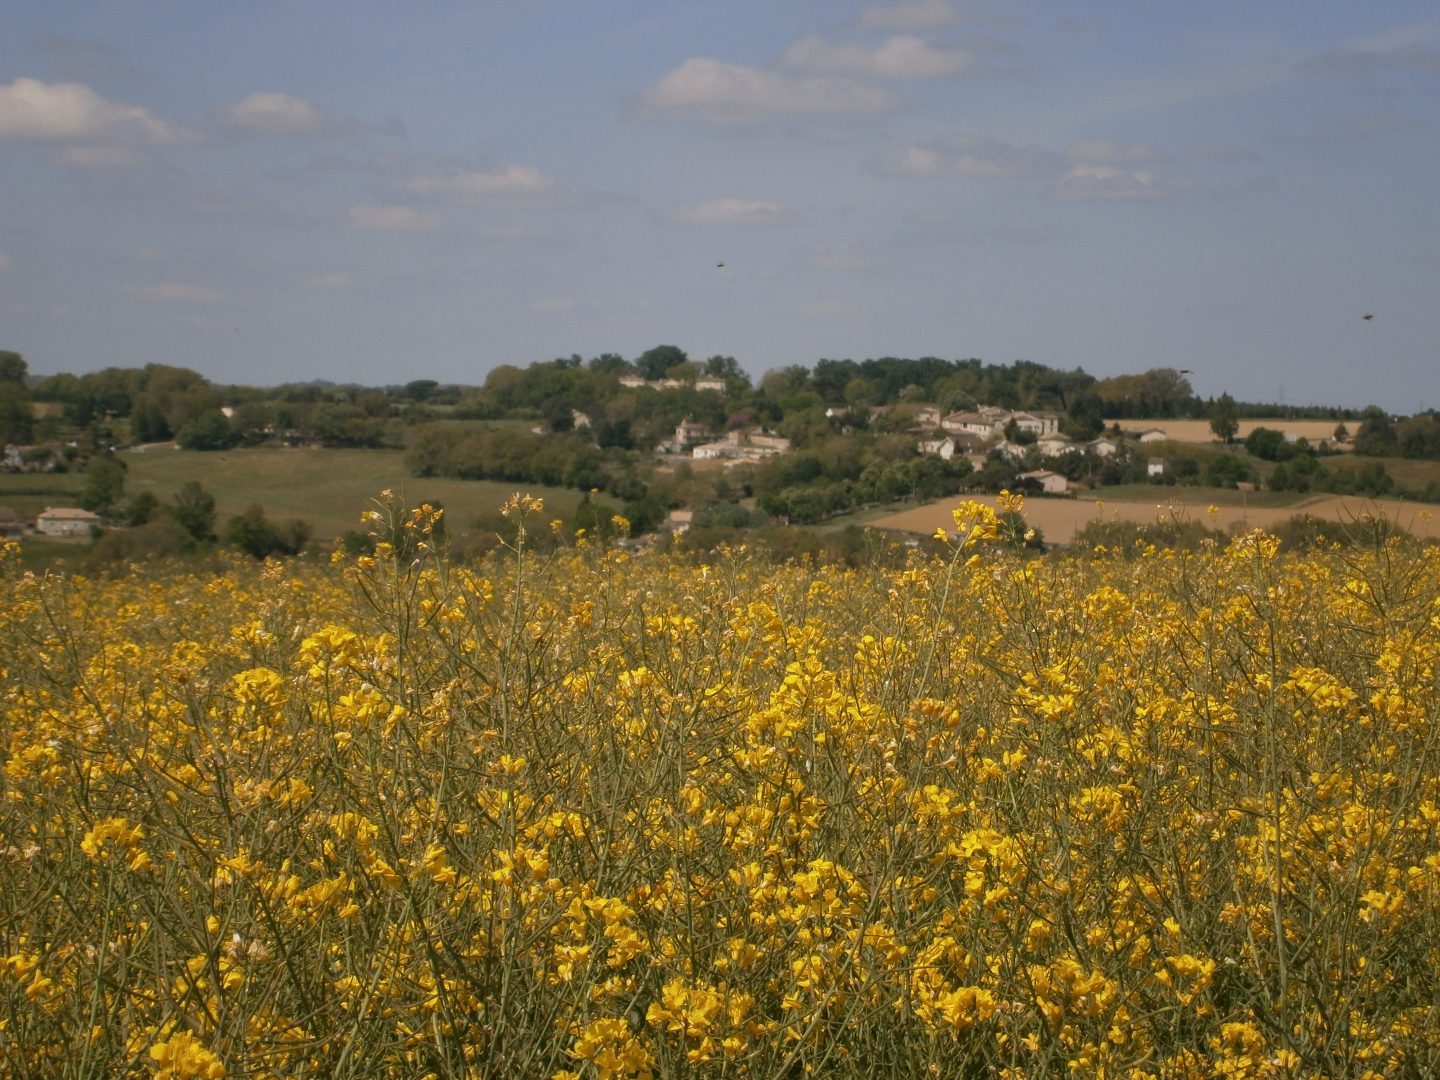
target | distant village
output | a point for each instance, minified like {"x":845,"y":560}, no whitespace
{"x":666,"y":439}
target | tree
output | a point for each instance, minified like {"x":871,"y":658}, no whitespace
{"x":139,"y":508}
{"x":1267,"y":443}
{"x":1223,"y":420}
{"x":420,"y":389}
{"x":654,"y":363}
{"x":610,"y":364}
{"x":17,"y":421}
{"x":194,"y":508}
{"x":104,"y":485}
{"x":1376,"y":435}
{"x":12,"y":367}
{"x":208,"y":431}
{"x":253,"y":533}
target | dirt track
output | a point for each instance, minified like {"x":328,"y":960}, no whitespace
{"x":1058,"y":519}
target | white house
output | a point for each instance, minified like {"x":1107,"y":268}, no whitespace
{"x":1038,"y":423}
{"x":1057,"y":444}
{"x":943,"y":448}
{"x":710,"y":382}
{"x":988,"y":421}
{"x":65,"y":521}
{"x":743,"y":446}
{"x":1155,"y":467}
{"x":1052,"y":483}
{"x":1153,"y":434}
{"x":1104,"y":447}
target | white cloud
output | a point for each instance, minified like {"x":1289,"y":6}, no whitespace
{"x":271,"y":113}
{"x":968,"y":158}
{"x":31,"y":109}
{"x":718,"y":92}
{"x":335,"y":279}
{"x":1403,"y":49}
{"x":730,"y":212}
{"x":900,"y":58}
{"x":101,"y":157}
{"x":390,"y":218}
{"x":914,"y":15}
{"x":1106,"y":183}
{"x":1107,"y":152}
{"x":916,"y":161}
{"x":511,"y":183}
{"x":173,"y":292}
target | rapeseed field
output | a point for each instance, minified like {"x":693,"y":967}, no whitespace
{"x":593,"y":815}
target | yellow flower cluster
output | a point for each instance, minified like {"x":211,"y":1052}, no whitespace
{"x":598,"y":816}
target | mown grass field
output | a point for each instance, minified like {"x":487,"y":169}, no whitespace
{"x":328,"y":488}
{"x":600,"y":817}
{"x":30,"y":493}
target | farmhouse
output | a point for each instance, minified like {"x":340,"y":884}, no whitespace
{"x":1052,"y":483}
{"x":1153,"y":434}
{"x":988,"y":421}
{"x":743,"y":445}
{"x":1037,"y":423}
{"x":65,"y":521}
{"x":942,"y":448}
{"x":1104,"y":447}
{"x":1057,"y":444}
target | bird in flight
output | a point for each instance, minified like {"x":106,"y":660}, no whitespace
{"x":721,"y":266}
{"x":1186,"y":371}
{"x":1367,"y":316}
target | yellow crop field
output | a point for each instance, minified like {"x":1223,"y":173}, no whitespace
{"x":609,"y":816}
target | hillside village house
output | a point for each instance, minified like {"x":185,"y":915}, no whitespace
{"x":1039,"y":423}
{"x":1051,"y":483}
{"x":990,"y":422}
{"x":1155,"y":467}
{"x":688,"y":433}
{"x":1150,"y":435}
{"x":927,"y":416}
{"x":743,"y":445}
{"x":65,"y":521}
{"x":941,"y":448}
{"x":1057,"y":444}
{"x":1104,"y":447}
{"x":704,"y":382}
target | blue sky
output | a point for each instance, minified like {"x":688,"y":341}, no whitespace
{"x":378,"y":192}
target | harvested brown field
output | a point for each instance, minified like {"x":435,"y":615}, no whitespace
{"x":1059,"y":519}
{"x":1199,"y":430}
